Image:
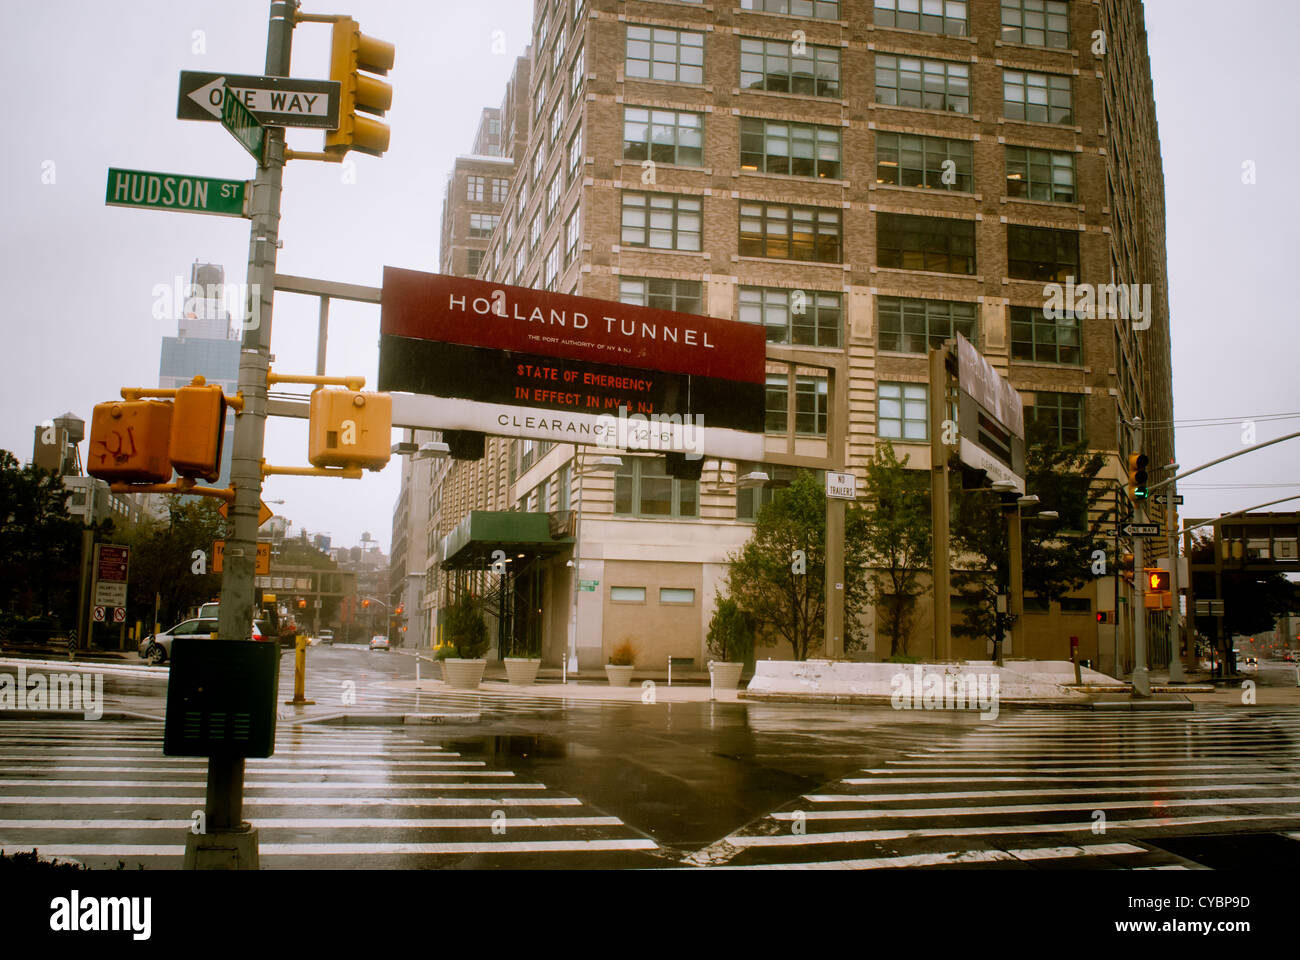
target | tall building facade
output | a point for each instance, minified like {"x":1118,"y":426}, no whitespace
{"x":865,"y":179}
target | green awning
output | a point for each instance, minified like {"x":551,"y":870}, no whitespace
{"x":471,"y":544}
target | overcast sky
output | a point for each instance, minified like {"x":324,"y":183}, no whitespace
{"x":91,"y":85}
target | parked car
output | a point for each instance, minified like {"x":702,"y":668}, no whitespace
{"x":157,"y":648}
{"x":379,"y":643}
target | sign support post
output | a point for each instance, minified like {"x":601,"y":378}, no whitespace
{"x":939,"y":504}
{"x":1141,"y":678}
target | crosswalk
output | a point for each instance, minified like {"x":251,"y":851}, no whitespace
{"x":376,"y":697}
{"x":1038,"y":790}
{"x":363,"y":797}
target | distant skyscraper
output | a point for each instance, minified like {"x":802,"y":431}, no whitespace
{"x":205,"y":345}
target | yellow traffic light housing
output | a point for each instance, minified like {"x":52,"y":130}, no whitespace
{"x":1157,"y":580}
{"x":352,"y":56}
{"x":197,"y":430}
{"x":1137,"y":476}
{"x":349,"y":428}
{"x":129,"y":442}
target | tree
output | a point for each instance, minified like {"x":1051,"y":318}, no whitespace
{"x":778,"y":577}
{"x":40,"y":543}
{"x":1056,"y":554}
{"x":163,"y":561}
{"x":1252,"y":601}
{"x":731,"y":635}
{"x":897,"y":540}
{"x":465,"y":630}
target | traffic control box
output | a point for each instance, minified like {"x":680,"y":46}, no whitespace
{"x":350,"y":429}
{"x":197,"y":431}
{"x":129,"y":440}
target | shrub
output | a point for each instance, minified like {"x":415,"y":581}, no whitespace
{"x":731,"y":635}
{"x":465,"y":630}
{"x":624,"y":655}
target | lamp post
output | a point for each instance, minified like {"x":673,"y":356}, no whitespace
{"x":370,"y":617}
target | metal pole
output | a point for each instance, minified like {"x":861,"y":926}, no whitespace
{"x":226,"y":774}
{"x":939,"y":503}
{"x":1141,"y":679}
{"x":572,"y":663}
{"x":83,"y":595}
{"x":1016,"y":592}
{"x":322,"y":335}
{"x":1176,"y":674}
{"x":834,"y":599}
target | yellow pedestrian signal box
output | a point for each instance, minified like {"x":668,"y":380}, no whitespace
{"x":197,"y":430}
{"x":1157,"y":579}
{"x":129,"y":442}
{"x":349,"y":428}
{"x":352,"y":56}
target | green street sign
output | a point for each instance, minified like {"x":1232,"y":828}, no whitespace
{"x":243,"y":126}
{"x":589,"y":585}
{"x":175,"y":191}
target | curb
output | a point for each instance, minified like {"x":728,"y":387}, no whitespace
{"x":1107,"y":706}
{"x":880,"y":700}
{"x":117,"y":715}
{"x":389,"y":719}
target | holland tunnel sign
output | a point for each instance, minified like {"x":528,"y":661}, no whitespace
{"x":513,"y":361}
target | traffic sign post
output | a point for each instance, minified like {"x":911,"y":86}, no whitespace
{"x":841,"y":486}
{"x":274,"y":101}
{"x":244,"y":127}
{"x":176,"y":191}
{"x":1163,"y":498}
{"x":1142,"y":529}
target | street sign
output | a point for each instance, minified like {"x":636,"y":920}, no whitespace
{"x":589,"y":585}
{"x":176,"y":191}
{"x":243,"y":126}
{"x":1164,"y":498}
{"x":119,"y":614}
{"x":263,"y":511}
{"x":1209,"y":608}
{"x":841,"y":486}
{"x":263,"y":557}
{"x":275,"y":101}
{"x":1142,"y":529}
{"x":111,"y":565}
{"x":99,"y":614}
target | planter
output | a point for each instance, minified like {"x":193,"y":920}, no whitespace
{"x":521,"y":671}
{"x":618,"y":676}
{"x":463,"y":674}
{"x":726,"y":676}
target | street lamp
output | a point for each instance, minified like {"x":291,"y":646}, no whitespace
{"x":601,"y":464}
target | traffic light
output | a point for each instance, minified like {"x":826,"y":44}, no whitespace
{"x":129,"y":440}
{"x":1105,"y":616}
{"x":1157,"y":580}
{"x":197,"y":430}
{"x":302,"y":604}
{"x":365,"y":603}
{"x":351,"y":53}
{"x":350,"y":429}
{"x":1137,"y":475}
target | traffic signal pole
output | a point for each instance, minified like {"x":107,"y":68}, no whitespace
{"x":226,"y":833}
{"x":1141,"y":678}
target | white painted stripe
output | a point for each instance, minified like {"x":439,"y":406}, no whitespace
{"x":1161,"y":778}
{"x":302,"y":801}
{"x":1085,"y":850}
{"x":279,"y":784}
{"x":951,"y":856}
{"x":872,"y":813}
{"x":1074,"y":791}
{"x":326,"y":823}
{"x":858,"y":836}
{"x":1059,"y":756}
{"x":916,"y":766}
{"x":1170,"y":866}
{"x":393,"y":769}
{"x":343,"y":849}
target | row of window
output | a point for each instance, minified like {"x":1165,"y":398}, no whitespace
{"x":792,"y":66}
{"x":492,"y":189}
{"x":673,"y":595}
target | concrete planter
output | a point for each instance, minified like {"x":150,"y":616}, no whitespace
{"x":522,"y":671}
{"x":463,"y":674}
{"x":618,"y":676}
{"x":726,"y":676}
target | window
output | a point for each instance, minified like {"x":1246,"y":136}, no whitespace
{"x":510,"y":227}
{"x":682,"y":296}
{"x":925,"y":243}
{"x":1035,"y":604}
{"x":1042,"y":97}
{"x":627,"y":594}
{"x":902,"y":411}
{"x":557,"y":121}
{"x":540,"y":102}
{"x":571,"y":236}
{"x":929,"y":84}
{"x":643,"y":488}
{"x":750,"y":500}
{"x":496,"y":258}
{"x":1035,"y":337}
{"x":474,"y":188}
{"x":500,"y":187}
{"x":932,"y":16}
{"x":557,"y":52}
{"x":789,"y":233}
{"x":658,"y":53}
{"x":564,"y":492}
{"x":553,"y":194}
{"x":521,"y":260}
{"x":805,"y":317}
{"x":535,"y":232}
{"x":541,"y":32}
{"x":1039,"y":253}
{"x":1040,"y":174}
{"x":539,"y":161}
{"x":664,"y":136}
{"x":522,"y":200}
{"x":482,"y":224}
{"x":906,"y":160}
{"x":1039,"y":23}
{"x":676,"y":595}
{"x":577,"y":74}
{"x":661,"y":221}
{"x":800,"y":149}
{"x":811,"y":402}
{"x":553,"y":266}
{"x":909,"y":325}
{"x":473,"y":260}
{"x":1076,"y":605}
{"x":575,"y":153}
{"x":820,"y":9}
{"x":1061,"y":413}
{"x":773,"y":65}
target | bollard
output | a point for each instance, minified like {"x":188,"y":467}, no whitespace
{"x":300,"y":674}
{"x":1074,"y":659}
{"x":670,"y":671}
{"x":710,"y":679}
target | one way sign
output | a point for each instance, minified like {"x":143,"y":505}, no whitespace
{"x":274,"y":101}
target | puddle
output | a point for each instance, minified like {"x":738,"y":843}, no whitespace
{"x":511,"y":745}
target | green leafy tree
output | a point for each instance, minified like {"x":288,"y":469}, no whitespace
{"x":778,"y":577}
{"x":731,"y":635}
{"x":897,"y":541}
{"x":1056,"y":554}
{"x":163,"y":561}
{"x":465,"y":630}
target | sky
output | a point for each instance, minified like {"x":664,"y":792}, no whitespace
{"x":94,"y":85}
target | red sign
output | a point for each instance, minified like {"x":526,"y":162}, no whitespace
{"x":112,"y":563}
{"x":477,"y":313}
